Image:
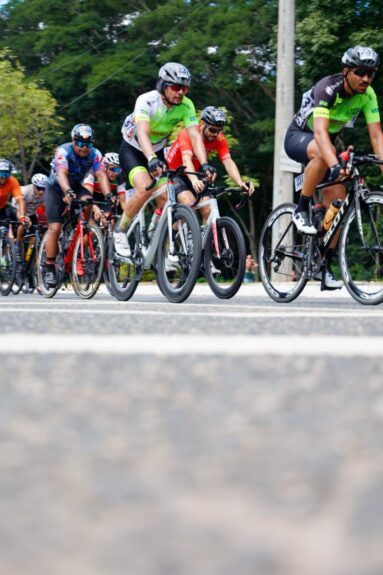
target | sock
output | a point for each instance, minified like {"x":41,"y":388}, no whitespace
{"x":303,"y":204}
{"x":124,"y":223}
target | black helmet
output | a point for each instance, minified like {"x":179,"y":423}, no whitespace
{"x":360,"y":56}
{"x":214,"y":116}
{"x":173,"y":73}
{"x":82,"y":133}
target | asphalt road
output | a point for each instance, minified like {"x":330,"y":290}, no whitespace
{"x":214,"y":437}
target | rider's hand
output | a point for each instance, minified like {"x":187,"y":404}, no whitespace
{"x":337,"y":172}
{"x":25,"y":221}
{"x":247,"y":187}
{"x":198,"y":185}
{"x":210,"y":172}
{"x":68,"y":196}
{"x":109,"y":197}
{"x":155,"y":166}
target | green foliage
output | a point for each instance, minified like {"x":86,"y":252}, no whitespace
{"x":27,"y":116}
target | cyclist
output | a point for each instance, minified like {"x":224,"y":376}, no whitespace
{"x":71,"y":164}
{"x":332,"y":104}
{"x":10,"y":188}
{"x":181,"y":153}
{"x":145,"y":134}
{"x":117,"y":182}
{"x":33,"y":195}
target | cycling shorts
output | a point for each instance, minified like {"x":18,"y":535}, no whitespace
{"x":55,"y":206}
{"x":8,"y":213}
{"x":133,"y":161}
{"x":182,"y":184}
{"x":296,"y":142}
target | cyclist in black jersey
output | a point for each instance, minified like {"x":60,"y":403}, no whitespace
{"x":330,"y":105}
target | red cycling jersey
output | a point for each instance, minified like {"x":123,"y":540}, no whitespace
{"x":183,"y":145}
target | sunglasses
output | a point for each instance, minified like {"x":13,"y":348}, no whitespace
{"x":114,"y":170}
{"x":40,"y":188}
{"x":178,"y":88}
{"x":361,"y":72}
{"x":81,"y":144}
{"x":4,"y":174}
{"x":214,"y":131}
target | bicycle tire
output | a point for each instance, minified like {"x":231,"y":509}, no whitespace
{"x":8,"y":266}
{"x":122,"y":275}
{"x":225,"y":272}
{"x":282,"y":267}
{"x":86,"y":284}
{"x":44,"y":290}
{"x":177,"y":284}
{"x":362,"y":266}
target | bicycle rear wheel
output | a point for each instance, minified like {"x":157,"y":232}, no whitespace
{"x":224,"y":270}
{"x":361,"y":264}
{"x":282,"y":256}
{"x":7,"y":265}
{"x":87,"y":271}
{"x":176,"y":276}
{"x":124,"y":274}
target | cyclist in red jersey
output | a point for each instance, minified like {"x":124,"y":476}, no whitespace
{"x":181,"y":153}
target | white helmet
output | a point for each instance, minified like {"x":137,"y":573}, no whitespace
{"x":82,"y":133}
{"x":40,"y":180}
{"x":111,"y":159}
{"x":173,"y":73}
{"x":5,"y":166}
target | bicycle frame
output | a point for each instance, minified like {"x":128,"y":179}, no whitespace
{"x":78,"y":231}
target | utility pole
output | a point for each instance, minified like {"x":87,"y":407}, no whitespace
{"x":283,"y":166}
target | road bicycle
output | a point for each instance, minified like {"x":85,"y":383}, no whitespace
{"x":173,"y":249}
{"x":25,"y":277}
{"x":288,"y":259}
{"x":80,"y":255}
{"x":223,"y":244}
{"x":7,"y":257}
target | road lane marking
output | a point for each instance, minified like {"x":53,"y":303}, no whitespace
{"x":284,"y":313}
{"x":180,"y":344}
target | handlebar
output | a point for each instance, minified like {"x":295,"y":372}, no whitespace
{"x":169,"y":173}
{"x":215,"y":191}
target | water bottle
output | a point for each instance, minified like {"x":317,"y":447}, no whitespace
{"x":29,"y":253}
{"x":154,"y":221}
{"x":332,"y":210}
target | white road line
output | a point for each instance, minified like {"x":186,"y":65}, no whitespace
{"x":284,"y":313}
{"x":179,"y":344}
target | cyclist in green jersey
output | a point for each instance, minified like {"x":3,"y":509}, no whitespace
{"x":332,"y":104}
{"x":145,"y":133}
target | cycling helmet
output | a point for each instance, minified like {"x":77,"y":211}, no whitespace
{"x":173,"y":73}
{"x":82,"y":133}
{"x":111,"y":159}
{"x":40,"y":180}
{"x":214,"y":116}
{"x":360,"y":56}
{"x":5,"y":166}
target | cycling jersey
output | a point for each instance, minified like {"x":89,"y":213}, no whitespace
{"x":163,"y":120}
{"x":10,"y":188}
{"x":183,"y":144}
{"x":31,"y":200}
{"x":117,"y":187}
{"x":78,"y":167}
{"x":328,"y":99}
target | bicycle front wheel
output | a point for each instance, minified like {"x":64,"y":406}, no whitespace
{"x":177,"y":272}
{"x":88,"y":262}
{"x":7,"y":265}
{"x":282,"y":256}
{"x":225,"y":258}
{"x":41,"y":269}
{"x":124,"y":274}
{"x":361,"y":251}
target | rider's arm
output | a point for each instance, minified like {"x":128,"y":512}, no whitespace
{"x":376,"y":138}
{"x":63,"y":180}
{"x":197,"y":143}
{"x":233,"y":171}
{"x":197,"y":184}
{"x":19,"y":199}
{"x":322,"y":138}
{"x":103,"y":181}
{"x":143,"y":133}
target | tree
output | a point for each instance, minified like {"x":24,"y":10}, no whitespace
{"x":28,"y":123}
